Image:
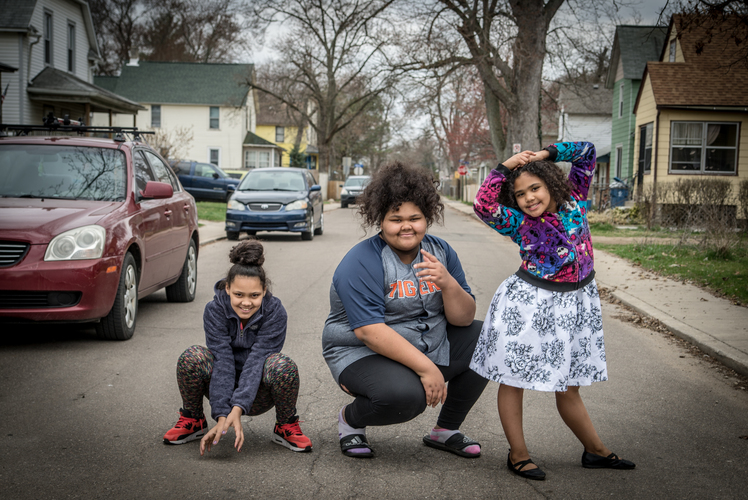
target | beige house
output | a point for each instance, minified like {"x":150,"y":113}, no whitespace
{"x":692,"y":107}
{"x":210,"y":102}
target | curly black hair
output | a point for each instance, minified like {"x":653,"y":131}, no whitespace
{"x":550,"y":173}
{"x":395,"y":184}
{"x":247,"y":258}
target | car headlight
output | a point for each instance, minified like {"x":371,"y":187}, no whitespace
{"x":297,"y":205}
{"x":85,"y":242}
{"x":236,"y":205}
{"x":344,"y":191}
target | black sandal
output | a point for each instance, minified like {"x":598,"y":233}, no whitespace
{"x":536,"y":474}
{"x":358,"y":442}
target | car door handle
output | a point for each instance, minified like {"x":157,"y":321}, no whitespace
{"x":186,"y":208}
{"x":167,"y":213}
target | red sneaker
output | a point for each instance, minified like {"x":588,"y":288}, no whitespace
{"x":290,"y":436}
{"x":186,"y":429}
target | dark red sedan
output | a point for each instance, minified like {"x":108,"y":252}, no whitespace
{"x":87,"y":227}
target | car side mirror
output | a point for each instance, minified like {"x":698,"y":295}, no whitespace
{"x":157,"y":191}
{"x":316,"y":187}
{"x":215,"y":175}
{"x":340,"y":185}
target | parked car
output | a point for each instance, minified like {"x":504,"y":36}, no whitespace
{"x":87,"y":227}
{"x":205,"y":181}
{"x":354,"y":186}
{"x":276,"y":199}
{"x":236,"y":174}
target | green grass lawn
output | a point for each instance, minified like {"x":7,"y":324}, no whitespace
{"x":211,"y":210}
{"x":727,"y":277}
{"x":607,"y":229}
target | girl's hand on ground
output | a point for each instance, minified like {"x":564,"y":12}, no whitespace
{"x":432,"y":270}
{"x":519,"y":159}
{"x":213,"y":436}
{"x":434,"y":386}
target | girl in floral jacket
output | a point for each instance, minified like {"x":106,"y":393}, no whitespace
{"x":543,"y":330}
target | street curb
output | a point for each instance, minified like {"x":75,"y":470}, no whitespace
{"x":727,"y":355}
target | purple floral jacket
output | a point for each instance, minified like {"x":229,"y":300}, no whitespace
{"x":555,"y":248}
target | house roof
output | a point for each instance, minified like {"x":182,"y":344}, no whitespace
{"x":705,"y":79}
{"x":634,"y":46}
{"x":15,"y":15}
{"x":6,"y":68}
{"x":272,"y":111}
{"x":252,"y":139}
{"x":586,"y":100}
{"x":53,"y":85}
{"x":181,"y":83}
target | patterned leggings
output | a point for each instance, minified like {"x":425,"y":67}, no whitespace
{"x":279,"y":386}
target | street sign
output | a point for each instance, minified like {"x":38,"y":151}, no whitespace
{"x":462,"y":169}
{"x":358,"y":169}
{"x":517,"y":148}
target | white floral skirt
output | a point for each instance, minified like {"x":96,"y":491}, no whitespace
{"x":538,"y":339}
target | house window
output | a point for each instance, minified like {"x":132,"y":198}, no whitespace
{"x":703,"y":147}
{"x":671,"y":57}
{"x":155,"y":115}
{"x":214,"y":156}
{"x":279,"y":136}
{"x":214,"y":112}
{"x":263,"y":160}
{"x":71,"y":47}
{"x":619,"y":161}
{"x":620,"y":101}
{"x":645,"y":148}
{"x":48,"y":38}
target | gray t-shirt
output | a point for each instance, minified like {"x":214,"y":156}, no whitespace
{"x":371,"y":285}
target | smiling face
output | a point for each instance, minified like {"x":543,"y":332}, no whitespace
{"x":246,"y":293}
{"x":403,"y":229}
{"x":532,"y":195}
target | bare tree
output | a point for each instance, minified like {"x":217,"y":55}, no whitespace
{"x":507,"y":42}
{"x":119,"y":30}
{"x":333,"y":53}
{"x":173,"y":143}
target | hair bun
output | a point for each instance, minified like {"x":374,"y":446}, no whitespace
{"x":248,"y":253}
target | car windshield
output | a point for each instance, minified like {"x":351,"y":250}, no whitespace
{"x":258,"y":180}
{"x":67,"y":172}
{"x":356,"y":182}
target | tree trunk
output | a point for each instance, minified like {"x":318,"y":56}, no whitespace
{"x":529,"y":52}
{"x":493,"y":114}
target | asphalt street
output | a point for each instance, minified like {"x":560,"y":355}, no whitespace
{"x":85,"y":418}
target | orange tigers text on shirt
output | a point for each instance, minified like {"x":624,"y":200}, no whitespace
{"x":407,"y":288}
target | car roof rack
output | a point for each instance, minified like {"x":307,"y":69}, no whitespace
{"x":53,"y":124}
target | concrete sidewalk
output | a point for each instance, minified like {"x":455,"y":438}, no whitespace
{"x":715,"y":325}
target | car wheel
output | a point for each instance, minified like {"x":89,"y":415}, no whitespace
{"x":343,"y":205}
{"x":309,"y":235}
{"x":319,"y":230}
{"x":183,"y":290}
{"x":119,"y":324}
{"x":232,"y":235}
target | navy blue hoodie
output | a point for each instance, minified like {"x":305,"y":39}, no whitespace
{"x":240,"y":353}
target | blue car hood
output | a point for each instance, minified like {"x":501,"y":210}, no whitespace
{"x":269,"y":196}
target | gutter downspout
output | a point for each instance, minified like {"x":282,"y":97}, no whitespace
{"x":653,"y":209}
{"x":33,"y":32}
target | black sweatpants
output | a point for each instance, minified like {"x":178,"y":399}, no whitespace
{"x":388,"y":392}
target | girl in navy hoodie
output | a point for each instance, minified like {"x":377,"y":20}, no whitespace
{"x":242,"y":371}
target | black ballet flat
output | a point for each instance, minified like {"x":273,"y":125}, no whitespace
{"x":535,"y":474}
{"x":592,"y":461}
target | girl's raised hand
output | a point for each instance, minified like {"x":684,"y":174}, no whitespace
{"x":519,"y":160}
{"x":432,"y":270}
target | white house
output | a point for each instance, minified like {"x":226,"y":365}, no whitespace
{"x":51,"y":50}
{"x":212,"y":102}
